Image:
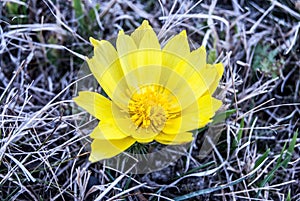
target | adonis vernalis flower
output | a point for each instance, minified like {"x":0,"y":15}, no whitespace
{"x":155,"y":93}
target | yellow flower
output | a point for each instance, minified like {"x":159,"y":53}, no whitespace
{"x":155,"y":93}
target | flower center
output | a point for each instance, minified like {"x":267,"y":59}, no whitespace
{"x":149,"y":108}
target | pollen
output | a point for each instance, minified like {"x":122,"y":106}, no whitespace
{"x":150,"y":106}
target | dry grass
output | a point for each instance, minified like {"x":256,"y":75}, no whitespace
{"x":43,"y":156}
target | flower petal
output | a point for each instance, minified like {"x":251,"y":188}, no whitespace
{"x":206,"y":106}
{"x":198,"y":79}
{"x":95,"y":104}
{"x":105,"y":65}
{"x":176,"y":49}
{"x":219,"y":68}
{"x":149,"y":40}
{"x":107,"y":131}
{"x":195,"y":116}
{"x":136,"y":78}
{"x":149,"y":54}
{"x":149,"y":51}
{"x":183,"y":124}
{"x":144,"y":37}
{"x":185,"y":81}
{"x":197,"y":58}
{"x":133,"y":59}
{"x":127,"y":51}
{"x":179,"y":138}
{"x":141,"y":135}
{"x":138,"y":34}
{"x":103,"y":149}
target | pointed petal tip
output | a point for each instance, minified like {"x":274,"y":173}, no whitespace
{"x":75,"y":99}
{"x":94,"y":41}
{"x":145,"y":23}
{"x":121,"y":32}
{"x":220,"y":69}
{"x":78,"y":98}
{"x":183,"y":33}
{"x":217,"y":104}
{"x":202,"y":48}
{"x":144,"y":26}
{"x":92,"y":159}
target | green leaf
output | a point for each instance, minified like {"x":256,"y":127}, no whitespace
{"x":220,"y":117}
{"x":18,"y":12}
{"x":290,"y":150}
{"x":271,"y":174}
{"x":264,"y":60}
{"x":209,"y":190}
{"x":212,"y":56}
{"x":127,"y":184}
{"x":288,"y":197}
{"x":78,"y":8}
{"x":79,"y":14}
{"x":196,"y":169}
{"x":238,"y":138}
{"x":12,"y":8}
{"x":282,"y":160}
{"x":92,"y":15}
{"x":262,"y":158}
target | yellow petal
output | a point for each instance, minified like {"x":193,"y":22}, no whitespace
{"x":219,"y":68}
{"x":103,"y":149}
{"x":195,"y":116}
{"x":95,"y":104}
{"x":185,"y":123}
{"x":127,"y":51}
{"x":199,"y":80}
{"x":197,"y":58}
{"x":149,"y":40}
{"x":185,"y":81}
{"x":205,"y":107}
{"x":105,"y":65}
{"x":144,"y":75}
{"x":136,"y":78}
{"x":107,"y":131}
{"x":193,"y":75}
{"x":144,"y":37}
{"x":149,"y":53}
{"x":141,"y":135}
{"x":179,"y":138}
{"x":216,"y":104}
{"x":176,"y":49}
{"x":132,"y":58}
{"x":138,"y":34}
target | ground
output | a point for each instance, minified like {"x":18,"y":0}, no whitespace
{"x":44,"y":155}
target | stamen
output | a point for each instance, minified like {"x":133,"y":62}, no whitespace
{"x":148,"y":108}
